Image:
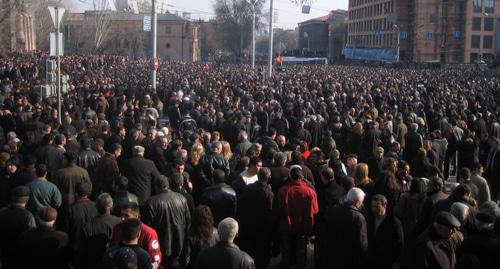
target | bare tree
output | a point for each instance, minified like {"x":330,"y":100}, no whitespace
{"x":234,"y":22}
{"x":99,"y":22}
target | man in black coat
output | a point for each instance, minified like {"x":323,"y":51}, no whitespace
{"x":371,"y":140}
{"x":121,"y":197}
{"x":413,"y":142}
{"x":267,"y":141}
{"x":434,"y":247}
{"x":225,"y":254}
{"x":385,"y":235}
{"x":14,"y":220}
{"x":209,"y":163}
{"x":279,"y":172}
{"x":141,"y":173}
{"x":44,"y":247}
{"x":346,"y":232}
{"x":483,"y":244}
{"x":79,"y":213}
{"x":254,"y":217}
{"x":95,"y":235}
{"x":168,"y":213}
{"x":328,"y":196}
{"x":221,"y":198}
{"x":492,"y":168}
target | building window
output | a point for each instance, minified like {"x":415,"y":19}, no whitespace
{"x":434,"y":17}
{"x":487,"y":42}
{"x":475,"y":42}
{"x":476,"y":24}
{"x":488,"y":24}
{"x":167,"y":45}
{"x":489,"y":6}
{"x":477,"y":6}
{"x":168,"y":30}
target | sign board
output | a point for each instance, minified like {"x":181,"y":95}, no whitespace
{"x":56,"y":13}
{"x":53,"y":44}
{"x":146,"y":24}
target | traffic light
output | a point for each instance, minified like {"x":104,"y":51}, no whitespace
{"x":50,"y":71}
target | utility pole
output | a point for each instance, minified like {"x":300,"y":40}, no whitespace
{"x":56,"y":13}
{"x":271,"y":33}
{"x":59,"y":110}
{"x":154,"y":63}
{"x":253,"y":3}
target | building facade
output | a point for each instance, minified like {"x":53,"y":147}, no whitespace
{"x":123,"y":33}
{"x":445,"y":31}
{"x":324,"y":36}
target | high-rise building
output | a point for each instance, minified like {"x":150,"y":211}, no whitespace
{"x":445,"y":31}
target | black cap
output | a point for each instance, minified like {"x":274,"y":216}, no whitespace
{"x":124,"y":257}
{"x":20,"y":191}
{"x":447,"y":219}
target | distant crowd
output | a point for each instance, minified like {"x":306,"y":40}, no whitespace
{"x":218,"y":168}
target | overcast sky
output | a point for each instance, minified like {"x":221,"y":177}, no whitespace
{"x":288,"y":14}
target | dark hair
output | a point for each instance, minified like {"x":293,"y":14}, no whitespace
{"x":85,"y":143}
{"x":70,"y":156}
{"x":179,"y":162}
{"x":464,"y":174}
{"x":272,"y":131}
{"x":328,"y":173}
{"x":132,"y":206}
{"x":114,"y":147}
{"x":255,"y":160}
{"x":296,"y":158}
{"x":219,"y":176}
{"x":121,"y":183}
{"x":348,"y":183}
{"x":131,"y":229}
{"x":162,"y":182}
{"x":41,"y":170}
{"x":476,"y":166}
{"x":387,"y":181}
{"x":379,"y":198}
{"x":243,"y":163}
{"x":58,"y":139}
{"x":264,"y":174}
{"x":83,"y":189}
{"x":47,"y":138}
{"x":417,"y":186}
{"x":176,"y":180}
{"x":202,"y":224}
{"x":296,"y":174}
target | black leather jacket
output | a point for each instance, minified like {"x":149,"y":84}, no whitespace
{"x":224,"y":255}
{"x":168,"y":213}
{"x":208,"y":163}
{"x":221,"y":199}
{"x":87,"y":159}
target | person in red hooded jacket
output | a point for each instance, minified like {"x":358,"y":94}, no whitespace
{"x":148,"y":238}
{"x":295,"y":207}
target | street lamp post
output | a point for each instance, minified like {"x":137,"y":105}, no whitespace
{"x":153,"y":45}
{"x":253,"y":3}
{"x":271,"y":33}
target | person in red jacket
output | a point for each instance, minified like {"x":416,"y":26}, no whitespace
{"x":295,"y":206}
{"x":148,"y":238}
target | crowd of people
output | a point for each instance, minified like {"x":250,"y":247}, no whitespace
{"x":218,"y":168}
